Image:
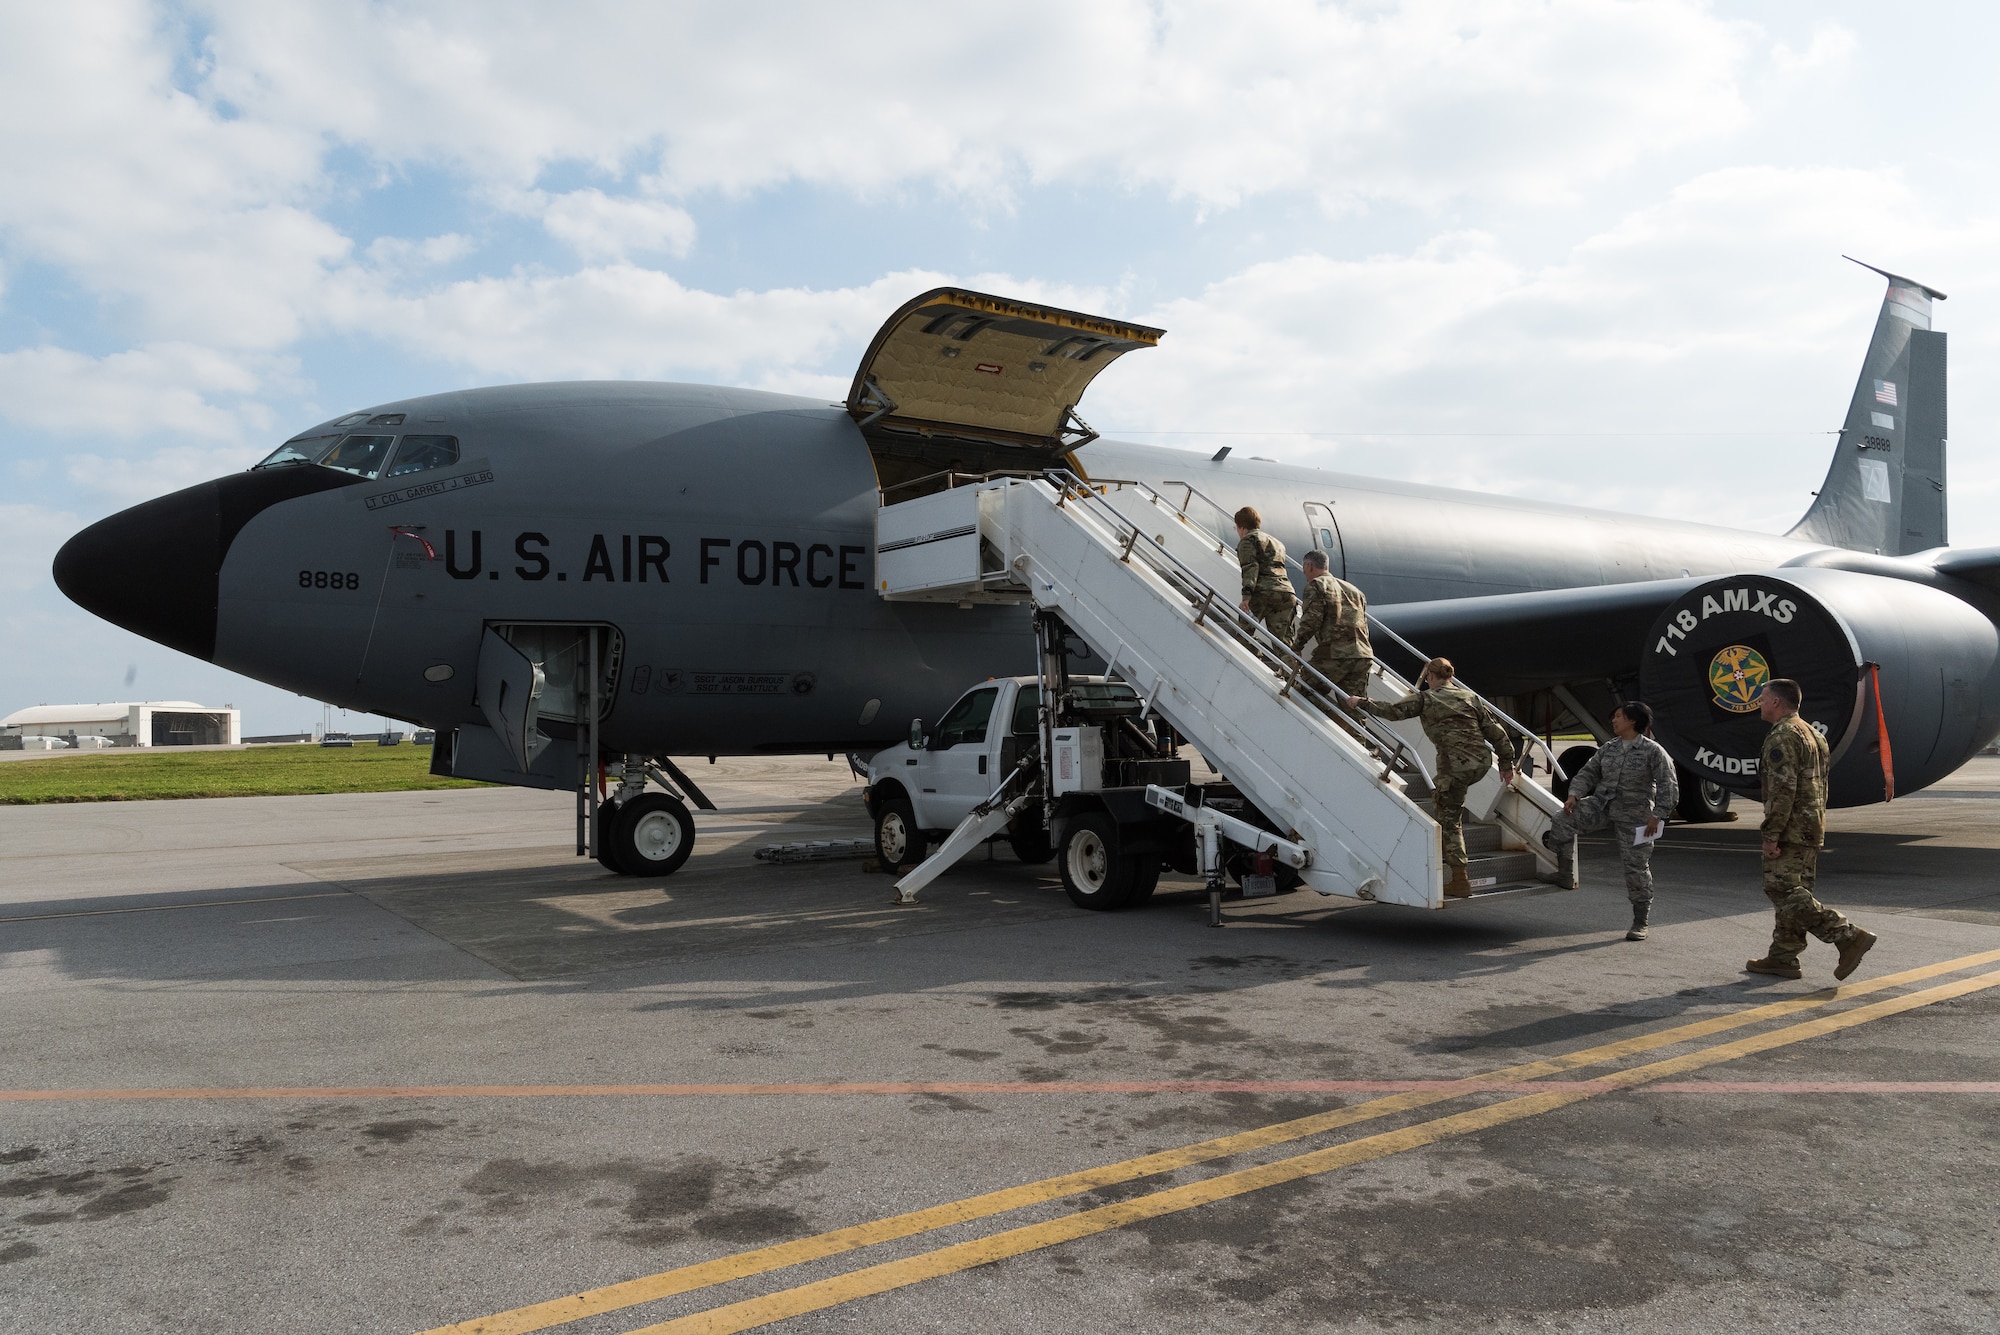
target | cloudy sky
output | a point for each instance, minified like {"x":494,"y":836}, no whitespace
{"x":1583,"y":249}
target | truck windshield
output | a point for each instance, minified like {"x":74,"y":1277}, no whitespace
{"x":1105,"y":699}
{"x":967,"y":720}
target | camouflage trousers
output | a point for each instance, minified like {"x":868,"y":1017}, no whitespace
{"x":1349,"y":674}
{"x":1277,"y":609}
{"x":1596,"y":813}
{"x":1450,"y":808}
{"x":1788,"y":884}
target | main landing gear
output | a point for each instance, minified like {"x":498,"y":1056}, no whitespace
{"x":641,"y":833}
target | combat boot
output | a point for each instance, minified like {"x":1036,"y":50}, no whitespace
{"x":1459,"y":886}
{"x":1637,"y":932}
{"x":1776,"y":968}
{"x":1565,"y":851}
{"x":1851,"y":951}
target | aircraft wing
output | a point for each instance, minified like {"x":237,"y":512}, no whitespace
{"x":1512,"y":643}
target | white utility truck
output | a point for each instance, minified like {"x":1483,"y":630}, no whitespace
{"x":1110,"y":841}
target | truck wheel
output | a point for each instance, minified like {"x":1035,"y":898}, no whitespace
{"x":898,"y":841}
{"x":1031,"y":844}
{"x":652,"y":836}
{"x":1094,"y":874}
{"x":1701,"y":802}
{"x":1145,"y":880}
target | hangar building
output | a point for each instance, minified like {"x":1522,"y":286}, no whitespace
{"x":148,"y":723}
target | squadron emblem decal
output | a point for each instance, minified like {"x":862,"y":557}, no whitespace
{"x":1737,"y":676}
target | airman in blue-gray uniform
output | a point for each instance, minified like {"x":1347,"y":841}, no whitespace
{"x":1628,"y":786}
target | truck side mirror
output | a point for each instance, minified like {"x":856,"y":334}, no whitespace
{"x":916,"y":734}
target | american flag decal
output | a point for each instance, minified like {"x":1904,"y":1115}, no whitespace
{"x":1885,"y":392}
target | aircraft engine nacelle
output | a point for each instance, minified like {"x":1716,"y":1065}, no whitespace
{"x":1710,"y":652}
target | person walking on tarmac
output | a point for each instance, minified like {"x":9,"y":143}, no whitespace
{"x":1628,"y":785}
{"x":1336,"y":615}
{"x":1793,"y":766}
{"x":1267,"y":590}
{"x":1461,"y":727}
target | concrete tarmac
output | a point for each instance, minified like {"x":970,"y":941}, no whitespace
{"x":386,"y":1062}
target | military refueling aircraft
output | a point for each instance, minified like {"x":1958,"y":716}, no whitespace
{"x":549,"y":574}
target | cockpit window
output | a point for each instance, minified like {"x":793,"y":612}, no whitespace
{"x":358,"y":454}
{"x":418,"y":453}
{"x":299,"y":450}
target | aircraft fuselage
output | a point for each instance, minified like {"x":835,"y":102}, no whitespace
{"x":729,"y":536}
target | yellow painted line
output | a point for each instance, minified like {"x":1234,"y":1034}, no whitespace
{"x":162,"y":908}
{"x":741,"y":1265}
{"x":882,"y":1278}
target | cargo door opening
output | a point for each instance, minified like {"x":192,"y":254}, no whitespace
{"x":960,"y":383}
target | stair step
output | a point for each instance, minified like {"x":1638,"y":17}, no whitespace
{"x":1505,"y":867}
{"x":1481,"y":839}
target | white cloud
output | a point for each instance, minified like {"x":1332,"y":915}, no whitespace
{"x":197,"y":222}
{"x":180,"y":388}
{"x":1678,"y":362}
{"x":599,"y":227}
{"x":130,"y":479}
{"x":29,"y":537}
{"x":1217,"y":103}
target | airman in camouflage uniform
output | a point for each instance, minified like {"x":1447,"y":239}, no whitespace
{"x":1267,"y":590}
{"x":1793,"y":766}
{"x":1460,"y":726}
{"x":1629,"y":786}
{"x":1335,"y":615}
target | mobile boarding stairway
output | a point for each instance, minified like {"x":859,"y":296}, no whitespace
{"x":1152,"y":590}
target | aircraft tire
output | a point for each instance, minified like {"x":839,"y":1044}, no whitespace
{"x":1095,"y":875}
{"x":1572,"y":759}
{"x":607,"y":847}
{"x":898,"y":841}
{"x":653,"y":836}
{"x":1702,"y":802}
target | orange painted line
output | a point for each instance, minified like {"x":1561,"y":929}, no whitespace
{"x":1043,"y":1087}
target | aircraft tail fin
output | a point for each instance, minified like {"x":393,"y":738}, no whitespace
{"x":1885,"y":491}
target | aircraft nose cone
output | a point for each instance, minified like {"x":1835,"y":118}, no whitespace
{"x":155,"y":568}
{"x":152,"y":569}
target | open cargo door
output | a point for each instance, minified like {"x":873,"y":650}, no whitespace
{"x":963,"y":382}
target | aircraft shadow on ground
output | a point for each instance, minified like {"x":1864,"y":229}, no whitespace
{"x":552,"y":922}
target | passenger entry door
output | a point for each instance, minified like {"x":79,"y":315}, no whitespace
{"x":958,"y":768}
{"x":1326,"y":536}
{"x":510,"y":695}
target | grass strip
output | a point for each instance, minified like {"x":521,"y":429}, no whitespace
{"x":265,"y":771}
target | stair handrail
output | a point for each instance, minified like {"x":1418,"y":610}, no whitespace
{"x":1526,"y":733}
{"x":1529,"y":737}
{"x":1302,"y":679}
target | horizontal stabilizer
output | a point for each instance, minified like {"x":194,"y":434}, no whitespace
{"x":1980,"y":565}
